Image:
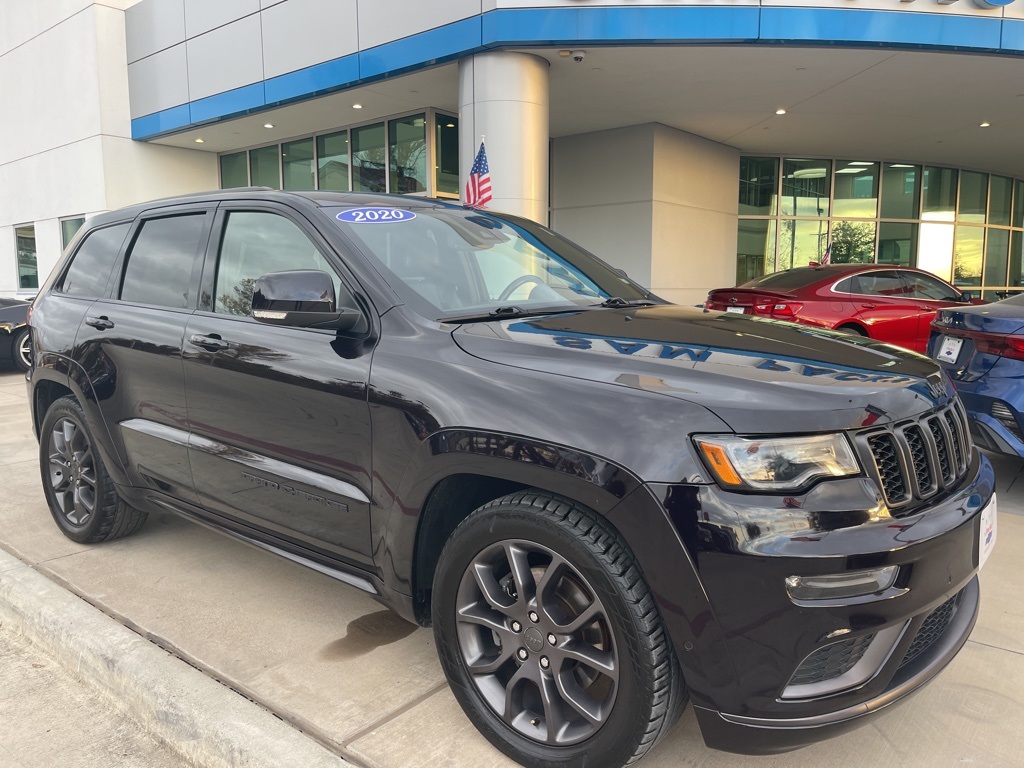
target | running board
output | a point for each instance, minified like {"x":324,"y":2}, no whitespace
{"x":356,"y":581}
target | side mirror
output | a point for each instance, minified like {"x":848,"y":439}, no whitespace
{"x":966,"y":297}
{"x":302,"y":298}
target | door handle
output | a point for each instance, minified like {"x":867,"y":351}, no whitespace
{"x":101,"y":323}
{"x":869,"y":306}
{"x":211,"y":342}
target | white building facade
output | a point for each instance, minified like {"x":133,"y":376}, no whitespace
{"x":692,"y":143}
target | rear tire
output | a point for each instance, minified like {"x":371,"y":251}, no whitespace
{"x":853,"y":330}
{"x":550,"y":638}
{"x":21,"y":349}
{"x":79,"y":492}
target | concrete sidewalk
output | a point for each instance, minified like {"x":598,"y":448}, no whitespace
{"x":356,"y":683}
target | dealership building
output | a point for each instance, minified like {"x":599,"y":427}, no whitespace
{"x":693,"y":143}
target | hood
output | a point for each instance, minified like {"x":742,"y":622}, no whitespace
{"x":758,"y":375}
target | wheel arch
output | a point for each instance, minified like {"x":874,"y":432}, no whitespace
{"x":855,"y":326}
{"x":56,"y":376}
{"x":464,"y":470}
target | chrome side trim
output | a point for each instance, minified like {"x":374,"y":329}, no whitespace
{"x":253,"y":461}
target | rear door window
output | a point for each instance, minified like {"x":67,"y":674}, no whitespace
{"x":162,"y":259}
{"x":885,"y":283}
{"x":93,"y":262}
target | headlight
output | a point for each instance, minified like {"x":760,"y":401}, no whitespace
{"x":777,"y":463}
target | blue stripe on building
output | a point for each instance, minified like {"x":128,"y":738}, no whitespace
{"x":735,"y":25}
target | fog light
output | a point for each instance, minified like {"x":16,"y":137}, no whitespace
{"x":834,"y":586}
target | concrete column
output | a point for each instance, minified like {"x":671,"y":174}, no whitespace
{"x":504,"y":97}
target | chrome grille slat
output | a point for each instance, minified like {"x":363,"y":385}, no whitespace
{"x":916,"y":459}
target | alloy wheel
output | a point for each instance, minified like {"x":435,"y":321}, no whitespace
{"x":537,"y":642}
{"x":72,"y":471}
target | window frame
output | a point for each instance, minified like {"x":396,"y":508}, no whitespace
{"x":83,"y":235}
{"x":211,"y":260}
{"x":164,"y":212}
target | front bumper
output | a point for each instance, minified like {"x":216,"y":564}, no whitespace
{"x":742,"y":653}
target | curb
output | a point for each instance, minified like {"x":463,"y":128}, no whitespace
{"x":204,"y":721}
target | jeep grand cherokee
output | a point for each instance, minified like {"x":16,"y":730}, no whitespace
{"x":605,"y":505}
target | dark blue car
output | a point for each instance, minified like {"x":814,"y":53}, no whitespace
{"x":982,"y":349}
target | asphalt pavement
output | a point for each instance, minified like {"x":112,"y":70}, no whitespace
{"x":199,"y":650}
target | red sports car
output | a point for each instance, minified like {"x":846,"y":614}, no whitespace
{"x":892,"y":304}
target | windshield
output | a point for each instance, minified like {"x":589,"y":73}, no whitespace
{"x":451,"y":262}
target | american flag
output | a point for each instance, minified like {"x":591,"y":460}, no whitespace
{"x":828,"y":254}
{"x":478,"y":188}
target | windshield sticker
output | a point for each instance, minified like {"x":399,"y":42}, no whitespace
{"x":376,"y":215}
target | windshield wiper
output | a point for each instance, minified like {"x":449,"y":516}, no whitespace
{"x":615,"y":301}
{"x":503,"y":312}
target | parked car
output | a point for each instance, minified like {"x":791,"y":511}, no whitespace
{"x":604,"y":505}
{"x":891,"y":304}
{"x":14,"y":335}
{"x":982,"y":349}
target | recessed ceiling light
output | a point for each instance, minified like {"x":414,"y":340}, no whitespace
{"x":985,"y":125}
{"x":780,"y":111}
{"x":449,"y":125}
{"x":860,"y":162}
{"x":357,"y":106}
{"x":268,"y":125}
{"x":199,"y":141}
{"x":900,"y":165}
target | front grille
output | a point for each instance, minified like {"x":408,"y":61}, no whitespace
{"x":831,"y":661}
{"x":931,"y":630}
{"x":914,"y":460}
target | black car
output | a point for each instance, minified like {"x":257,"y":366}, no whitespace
{"x":605,"y":505}
{"x":14,"y":335}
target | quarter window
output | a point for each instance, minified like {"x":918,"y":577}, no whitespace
{"x":91,"y":265}
{"x":256,"y":244}
{"x":160,"y":263}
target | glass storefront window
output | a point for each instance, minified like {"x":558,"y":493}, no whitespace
{"x":297,"y":164}
{"x":967,"y":252}
{"x":1018,"y":204}
{"x":935,"y":249}
{"x":759,"y":185}
{"x":28,"y":272}
{"x":801,"y":242}
{"x":446,"y":149}
{"x":69,"y":228}
{"x":897,"y":243}
{"x":369,"y":163}
{"x":332,"y":161}
{"x":995,"y":256}
{"x":265,"y":167}
{"x":901,"y":191}
{"x":805,"y":187}
{"x":853,"y":242}
{"x":999,"y":200}
{"x":856,"y":189}
{"x":755,"y":248}
{"x":939,"y":194}
{"x":973,"y":197}
{"x":1016,"y":276}
{"x":234,"y":170}
{"x":407,"y":153}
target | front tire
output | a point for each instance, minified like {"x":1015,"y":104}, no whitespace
{"x":550,"y":638}
{"x":79,"y":492}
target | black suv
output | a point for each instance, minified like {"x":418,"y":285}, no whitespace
{"x":604,"y":504}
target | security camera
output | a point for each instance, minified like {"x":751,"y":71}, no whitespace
{"x":578,"y":56}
